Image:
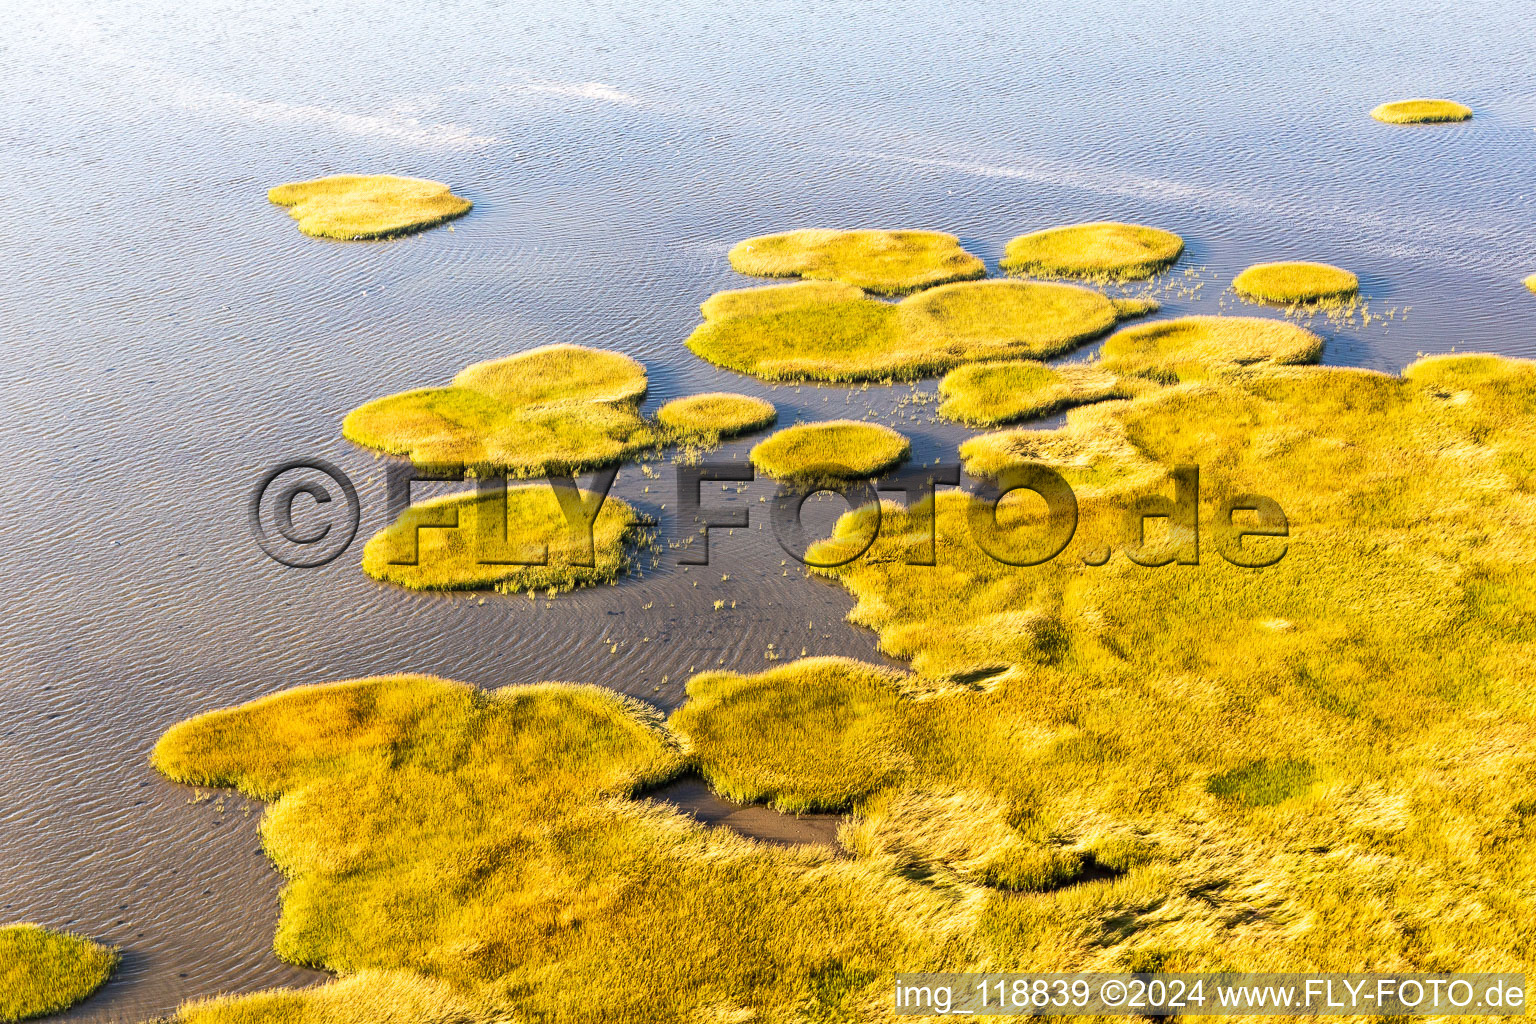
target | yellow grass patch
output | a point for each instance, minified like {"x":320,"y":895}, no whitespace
{"x":43,"y":972}
{"x":1421,"y":112}
{"x":358,"y":206}
{"x":985,"y":394}
{"x":885,"y":262}
{"x":715,"y":416}
{"x":1192,"y":347}
{"x":1295,"y":282}
{"x":835,"y":450}
{"x":1095,"y":764}
{"x":833,"y":332}
{"x":474,"y":542}
{"x":462,"y":855}
{"x":1106,"y":250}
{"x":560,"y":408}
{"x":821,"y":739}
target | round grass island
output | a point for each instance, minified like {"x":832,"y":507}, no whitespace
{"x":43,"y":971}
{"x":367,"y":206}
{"x":1421,"y":112}
{"x":1106,"y":249}
{"x":716,"y":416}
{"x":1291,"y":283}
{"x":813,"y":453}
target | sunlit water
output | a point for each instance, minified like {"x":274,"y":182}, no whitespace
{"x":168,"y":335}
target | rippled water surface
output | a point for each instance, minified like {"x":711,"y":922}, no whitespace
{"x":168,"y":334}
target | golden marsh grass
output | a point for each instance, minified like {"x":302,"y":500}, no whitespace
{"x":470,"y":856}
{"x":1298,"y":282}
{"x":716,"y":416}
{"x":987,"y":394}
{"x":836,"y":449}
{"x":43,"y":971}
{"x":883,"y":262}
{"x":559,"y":408}
{"x":1421,"y":112}
{"x":363,"y":206}
{"x":833,"y":332}
{"x":1191,"y":347}
{"x":1106,"y":250}
{"x":475,"y":542}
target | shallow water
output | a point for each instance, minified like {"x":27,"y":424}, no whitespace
{"x":168,"y":335}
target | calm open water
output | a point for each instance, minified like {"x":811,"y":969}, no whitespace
{"x":168,"y":335}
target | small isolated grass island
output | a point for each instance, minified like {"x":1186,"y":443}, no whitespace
{"x":477,"y":542}
{"x":716,"y":416}
{"x":986,"y":394}
{"x":884,"y":262}
{"x":560,"y":408}
{"x":826,"y":331}
{"x":43,"y":972}
{"x":363,"y":206}
{"x":1421,"y":112}
{"x":1103,"y":251}
{"x":1291,"y":283}
{"x":837,"y":450}
{"x":1193,"y":347}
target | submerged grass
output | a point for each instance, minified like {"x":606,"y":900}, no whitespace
{"x":716,"y":416}
{"x":1421,"y":112}
{"x":559,"y":408}
{"x":1295,"y":282}
{"x":43,"y":972}
{"x":833,"y":332}
{"x":987,"y":394}
{"x":1104,"y":250}
{"x":812,"y":453}
{"x":483,"y":540}
{"x":884,"y":262}
{"x":361,"y":206}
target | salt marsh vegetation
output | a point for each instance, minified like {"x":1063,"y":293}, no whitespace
{"x":1298,"y":282}
{"x":44,"y":971}
{"x":811,"y":453}
{"x":363,"y":206}
{"x":1421,"y":112}
{"x":1106,"y":250}
{"x":882,"y":262}
{"x":559,"y":408}
{"x":833,"y":332}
